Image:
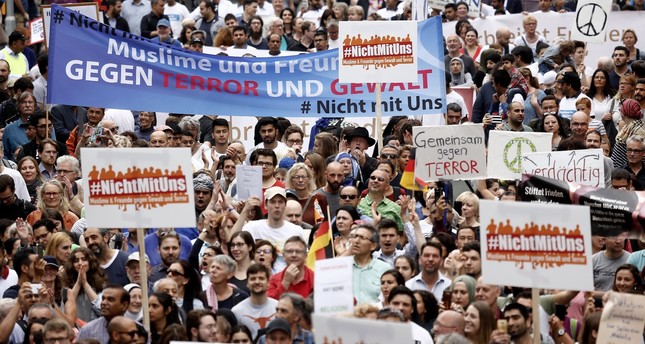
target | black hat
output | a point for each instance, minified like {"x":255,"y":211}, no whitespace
{"x":361,"y":132}
{"x":197,"y":40}
{"x":279,"y":324}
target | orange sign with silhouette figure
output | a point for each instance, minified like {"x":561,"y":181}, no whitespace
{"x":378,"y":51}
{"x":536,"y":245}
{"x":149,"y":187}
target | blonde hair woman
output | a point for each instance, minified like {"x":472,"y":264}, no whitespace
{"x":469,"y":216}
{"x":300,"y":180}
{"x":52,"y":195}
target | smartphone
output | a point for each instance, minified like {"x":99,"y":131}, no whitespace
{"x":39,"y":250}
{"x":597,"y":301}
{"x":561,"y":311}
{"x":446,"y":299}
{"x":96,"y":135}
{"x":457,"y":206}
{"x":502,"y":325}
{"x":497,"y":119}
{"x":35,"y":288}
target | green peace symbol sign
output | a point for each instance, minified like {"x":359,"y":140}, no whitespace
{"x":514,"y":161}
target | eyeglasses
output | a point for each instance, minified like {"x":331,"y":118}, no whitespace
{"x":130,"y":333}
{"x":348,"y":196}
{"x":43,"y":126}
{"x":388,"y":156}
{"x":60,"y":340}
{"x":356,"y":236}
{"x":294,"y":142}
{"x":175,"y":273}
{"x":264,"y":163}
{"x":380,"y":179}
{"x":263,"y":250}
{"x":236,"y":244}
{"x":630,"y":150}
{"x":51,"y":194}
{"x":64,"y":171}
{"x":300,"y":177}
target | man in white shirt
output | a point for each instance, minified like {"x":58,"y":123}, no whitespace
{"x":133,"y":11}
{"x":314,"y":12}
{"x":176,"y":13}
{"x":430,"y":278}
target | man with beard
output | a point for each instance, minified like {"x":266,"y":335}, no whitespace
{"x":515,"y":119}
{"x":111,"y":260}
{"x":519,"y":323}
{"x":320,"y":40}
{"x":153,"y":240}
{"x":430,"y":278}
{"x":228,"y":173}
{"x":620,"y":57}
{"x":15,"y":134}
{"x":239,"y":37}
{"x":48,"y":152}
{"x":114,"y":303}
{"x":258,"y":310}
{"x":639,"y":93}
{"x":169,"y":246}
{"x":201,"y":326}
{"x":113,"y":17}
{"x":42,"y":125}
{"x":335,"y":176}
{"x":9,"y":108}
{"x":4,"y":78}
{"x":203,"y":186}
{"x":269,"y":135}
{"x":255,"y":34}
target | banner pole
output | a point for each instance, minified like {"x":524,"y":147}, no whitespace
{"x":379,"y":119}
{"x":535,"y":304}
{"x":46,"y":120}
{"x":144,"y":279}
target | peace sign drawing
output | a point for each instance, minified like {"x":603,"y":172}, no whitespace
{"x":591,"y":20}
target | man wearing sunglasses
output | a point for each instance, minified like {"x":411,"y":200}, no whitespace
{"x":377,"y":186}
{"x":122,"y":331}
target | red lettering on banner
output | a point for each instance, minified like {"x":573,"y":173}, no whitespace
{"x":452,"y":168}
{"x":343,"y":89}
{"x":192,"y":82}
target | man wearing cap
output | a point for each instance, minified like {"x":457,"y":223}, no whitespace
{"x":570,"y":85}
{"x":274,"y":229}
{"x":278,"y":332}
{"x":150,"y":20}
{"x":357,"y":143}
{"x":134,"y":272}
{"x":164,"y":34}
{"x":12,"y":53}
{"x":196,"y":44}
{"x":203,"y":186}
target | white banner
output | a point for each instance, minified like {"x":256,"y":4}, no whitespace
{"x":350,"y":330}
{"x":138,"y":187}
{"x":378,"y":51}
{"x":473,"y":5}
{"x":552,"y":25}
{"x":585,"y":167}
{"x":506,"y":148}
{"x":333,"y":291}
{"x":449,"y":152}
{"x":623,"y":318}
{"x":522,"y":247}
{"x":591,"y":20}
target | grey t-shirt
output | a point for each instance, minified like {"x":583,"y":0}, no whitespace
{"x":604,"y":270}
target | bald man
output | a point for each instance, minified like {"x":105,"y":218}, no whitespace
{"x":579,"y":125}
{"x":447,"y":322}
{"x":335,"y":178}
{"x":503,"y":38}
{"x":159,"y":139}
{"x":122,"y":331}
{"x":293,"y":214}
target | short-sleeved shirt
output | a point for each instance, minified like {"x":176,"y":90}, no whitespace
{"x":367,"y":281}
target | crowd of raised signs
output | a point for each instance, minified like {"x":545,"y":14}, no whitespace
{"x":245,"y":273}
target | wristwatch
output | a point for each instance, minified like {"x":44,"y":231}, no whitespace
{"x":561,"y":332}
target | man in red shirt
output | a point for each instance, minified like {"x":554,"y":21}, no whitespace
{"x":296,"y":277}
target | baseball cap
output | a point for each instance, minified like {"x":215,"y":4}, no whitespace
{"x":274,"y":191}
{"x":279,"y":324}
{"x":197,"y":40}
{"x":163,"y":22}
{"x":51,"y":261}
{"x":135,"y":257}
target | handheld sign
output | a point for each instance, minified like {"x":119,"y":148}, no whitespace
{"x":449,"y":152}
{"x":333,"y":291}
{"x":585,"y":167}
{"x":623,"y":318}
{"x":506,"y":148}
{"x":349,"y":330}
{"x":536,"y":246}
{"x":249,"y":181}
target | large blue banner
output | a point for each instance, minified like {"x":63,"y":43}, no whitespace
{"x":92,"y":64}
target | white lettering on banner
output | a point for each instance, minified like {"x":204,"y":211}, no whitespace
{"x":306,"y":66}
{"x":553,"y":25}
{"x":109,"y":72}
{"x":308,"y":88}
{"x":162,"y":56}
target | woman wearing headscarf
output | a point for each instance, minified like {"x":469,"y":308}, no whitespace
{"x":459,"y":77}
{"x":632,"y":117}
{"x":351,"y":169}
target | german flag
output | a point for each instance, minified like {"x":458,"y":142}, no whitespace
{"x":321,"y":247}
{"x":409,"y":182}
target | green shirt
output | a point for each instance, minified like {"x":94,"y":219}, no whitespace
{"x":387,"y":209}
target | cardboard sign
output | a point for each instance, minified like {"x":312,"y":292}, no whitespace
{"x":37,"y":31}
{"x":523,"y":247}
{"x":138,"y":187}
{"x":449,"y":152}
{"x":585,"y":167}
{"x":506,"y":148}
{"x":623,"y":318}
{"x":378,"y":51}
{"x":333,"y":291}
{"x":249,"y":181}
{"x":591,"y":20}
{"x":349,"y":330}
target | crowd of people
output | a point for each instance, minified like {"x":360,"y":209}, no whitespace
{"x":241,"y":274}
